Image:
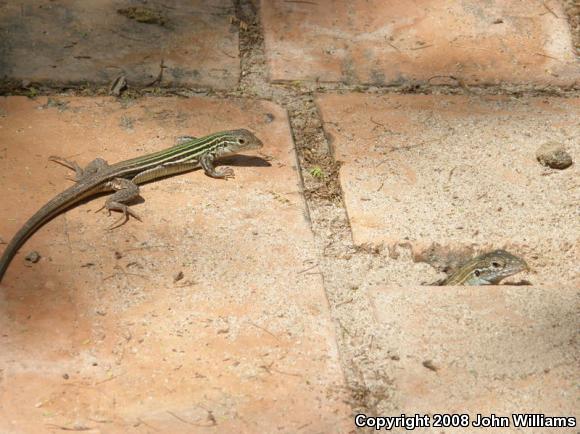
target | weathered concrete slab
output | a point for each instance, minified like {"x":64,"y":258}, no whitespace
{"x":460,"y":172}
{"x":500,"y":350}
{"x":99,"y":334}
{"x":95,"y":41}
{"x":379,"y":42}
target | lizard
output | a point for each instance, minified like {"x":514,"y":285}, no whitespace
{"x":123,"y":178}
{"x":487,"y":269}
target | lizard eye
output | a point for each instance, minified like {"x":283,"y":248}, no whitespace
{"x":241,"y":141}
{"x":495,"y":264}
{"x":477,"y":273}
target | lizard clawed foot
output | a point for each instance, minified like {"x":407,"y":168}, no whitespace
{"x":226,"y":173}
{"x":126,"y":191}
{"x":116,"y":206}
{"x":206,"y":162}
{"x":72,"y":165}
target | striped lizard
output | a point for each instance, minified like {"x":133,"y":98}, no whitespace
{"x":487,"y":269}
{"x":124,"y":177}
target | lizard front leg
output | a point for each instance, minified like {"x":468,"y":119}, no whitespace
{"x":125,"y":191}
{"x":93,"y":167}
{"x":207,"y":163}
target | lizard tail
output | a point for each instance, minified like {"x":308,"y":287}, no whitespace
{"x":61,"y":202}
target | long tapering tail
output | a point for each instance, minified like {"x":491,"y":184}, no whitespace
{"x":61,"y":202}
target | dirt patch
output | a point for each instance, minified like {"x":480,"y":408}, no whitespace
{"x":143,"y":15}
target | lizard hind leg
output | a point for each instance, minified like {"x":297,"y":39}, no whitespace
{"x":72,"y":165}
{"x":126,"y":191}
{"x":93,"y":167}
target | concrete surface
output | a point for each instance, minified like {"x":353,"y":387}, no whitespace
{"x":91,"y":42}
{"x":460,"y":171}
{"x":382,"y":43}
{"x":498,"y":350}
{"x":288,"y":299}
{"x":98,"y":335}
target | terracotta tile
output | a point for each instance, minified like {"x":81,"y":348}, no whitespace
{"x":460,"y":171}
{"x":498,"y":350}
{"x":243,"y":342}
{"x":90,"y":41}
{"x":385,"y":43}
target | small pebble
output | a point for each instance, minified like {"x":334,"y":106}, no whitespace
{"x":430,"y":365}
{"x":553,"y":154}
{"x":33,"y":257}
{"x":177,"y":277}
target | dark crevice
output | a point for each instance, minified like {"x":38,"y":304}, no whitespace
{"x":318,"y":170}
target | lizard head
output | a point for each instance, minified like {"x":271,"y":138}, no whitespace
{"x":497,"y":265}
{"x":235,"y":141}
